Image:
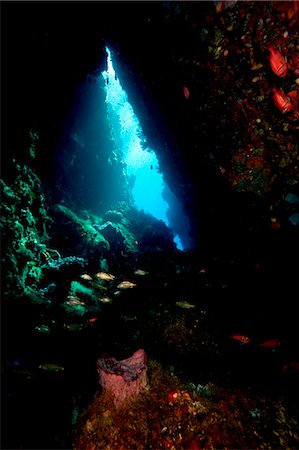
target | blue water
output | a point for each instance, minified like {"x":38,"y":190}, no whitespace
{"x":141,"y":162}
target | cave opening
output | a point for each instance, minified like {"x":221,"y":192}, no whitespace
{"x":149,"y":190}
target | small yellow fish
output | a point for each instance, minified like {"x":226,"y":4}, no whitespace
{"x":140,"y":272}
{"x":72,"y":298}
{"x":48,"y":367}
{"x":185,"y":305}
{"x":105,"y":300}
{"x":86,"y":277}
{"x":126,"y":285}
{"x":74,"y":301}
{"x":105,"y":276}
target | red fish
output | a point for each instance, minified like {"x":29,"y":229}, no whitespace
{"x":282,"y":101}
{"x":271,"y":344}
{"x":186,"y":92}
{"x":241,"y":338}
{"x":277,"y":62}
{"x":92,"y":320}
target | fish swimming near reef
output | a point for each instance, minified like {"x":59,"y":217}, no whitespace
{"x":271,"y":344}
{"x":105,"y":276}
{"x":185,"y":305}
{"x":92,"y":320}
{"x":278,"y":62}
{"x":140,"y":272}
{"x":86,"y":277}
{"x":72,"y":301}
{"x":126,"y":285}
{"x":105,"y":299}
{"x":48,"y":367}
{"x":43,"y":329}
{"x":186,"y":92}
{"x":282,"y":101}
{"x":240,"y":338}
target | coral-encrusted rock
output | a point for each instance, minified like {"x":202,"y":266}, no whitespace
{"x":125,"y":379}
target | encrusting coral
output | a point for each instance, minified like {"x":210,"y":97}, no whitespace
{"x":171,"y":415}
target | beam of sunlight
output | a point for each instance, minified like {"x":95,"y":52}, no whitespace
{"x":142,"y":164}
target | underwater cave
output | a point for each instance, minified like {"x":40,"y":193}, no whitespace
{"x":149,"y":190}
{"x":149,"y":225}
